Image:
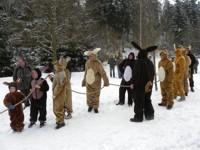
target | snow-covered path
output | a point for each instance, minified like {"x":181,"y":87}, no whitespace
{"x":176,"y":129}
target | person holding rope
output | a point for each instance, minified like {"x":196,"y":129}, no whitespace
{"x":126,"y":68}
{"x":94,"y":72}
{"x":39,"y":88}
{"x":15,"y":112}
{"x":22,"y":75}
{"x":143,"y":76}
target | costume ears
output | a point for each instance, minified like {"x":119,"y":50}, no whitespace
{"x":136,"y":45}
{"x":151,"y":48}
{"x":148,"y":49}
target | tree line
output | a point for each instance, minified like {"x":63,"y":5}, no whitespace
{"x":39,"y":28}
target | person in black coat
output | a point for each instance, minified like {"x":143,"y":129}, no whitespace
{"x":112,"y":63}
{"x":126,"y":68}
{"x":39,"y":89}
{"x":191,"y":72}
{"x":143,"y":75}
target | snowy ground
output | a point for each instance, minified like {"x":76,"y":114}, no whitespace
{"x":176,"y":129}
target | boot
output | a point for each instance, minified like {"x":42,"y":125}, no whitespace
{"x":96,"y":110}
{"x":31,"y":124}
{"x":119,"y":103}
{"x":42,"y":123}
{"x":181,"y":99}
{"x":135,"y":119}
{"x":151,"y":117}
{"x":59,"y":125}
{"x":169,"y":107}
{"x":161,"y":104}
{"x":192,"y":89}
{"x":69,"y":116}
{"x":90,"y":109}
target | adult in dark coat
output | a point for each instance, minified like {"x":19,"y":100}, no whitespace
{"x":22,"y":75}
{"x":128,"y":65}
{"x":191,"y":72}
{"x":143,"y":75}
{"x":112,"y":63}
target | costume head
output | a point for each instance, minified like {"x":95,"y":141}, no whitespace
{"x":143,"y":53}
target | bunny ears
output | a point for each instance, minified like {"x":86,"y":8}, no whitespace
{"x":148,"y":49}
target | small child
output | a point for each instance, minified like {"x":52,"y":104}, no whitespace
{"x":15,"y":112}
{"x":39,"y":89}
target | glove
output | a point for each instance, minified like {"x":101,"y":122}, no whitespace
{"x":11,"y":107}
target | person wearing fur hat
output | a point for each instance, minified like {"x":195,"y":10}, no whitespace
{"x":39,"y":88}
{"x":187,"y":68}
{"x":15,"y":112}
{"x":142,"y":82}
{"x":94,"y":72}
{"x":22,"y":75}
{"x":126,"y":68}
{"x":166,"y":75}
{"x":180,"y":69}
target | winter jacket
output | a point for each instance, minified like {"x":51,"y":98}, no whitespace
{"x":24,"y":74}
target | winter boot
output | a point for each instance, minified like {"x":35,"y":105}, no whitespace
{"x":161,"y":104}
{"x":181,"y":99}
{"x":192,"y":89}
{"x":169,"y":107}
{"x":96,"y":110}
{"x":68,"y":116}
{"x":90,"y":109}
{"x":119,"y":103}
{"x":59,"y":125}
{"x":136,"y":119}
{"x":42,"y":123}
{"x":31,"y":124}
{"x":149,"y":117}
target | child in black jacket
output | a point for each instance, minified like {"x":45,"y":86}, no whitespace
{"x":39,"y":87}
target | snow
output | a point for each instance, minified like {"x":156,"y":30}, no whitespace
{"x":176,"y":129}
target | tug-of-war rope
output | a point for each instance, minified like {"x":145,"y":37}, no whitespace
{"x":74,"y":91}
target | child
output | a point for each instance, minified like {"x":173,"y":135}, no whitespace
{"x":15,"y":112}
{"x":39,"y":87}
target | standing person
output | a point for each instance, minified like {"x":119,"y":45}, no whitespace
{"x":180,"y":68}
{"x":196,"y":66}
{"x":112,"y":63}
{"x":39,"y":87}
{"x":68,"y":96}
{"x":94,"y":72}
{"x":193,"y":61}
{"x":166,"y":75}
{"x":15,"y":112}
{"x":59,"y":93}
{"x":126,"y":68}
{"x":22,"y":75}
{"x":187,"y":68}
{"x":143,"y":75}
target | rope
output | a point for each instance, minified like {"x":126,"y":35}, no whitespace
{"x":88,"y":93}
{"x":24,"y":98}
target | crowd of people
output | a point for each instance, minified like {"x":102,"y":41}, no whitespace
{"x":137,"y":75}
